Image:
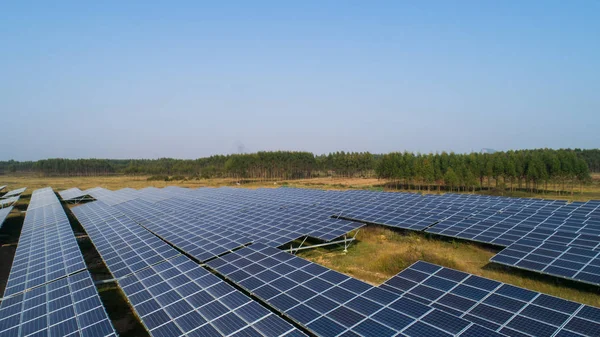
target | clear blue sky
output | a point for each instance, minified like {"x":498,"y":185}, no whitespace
{"x":189,"y":79}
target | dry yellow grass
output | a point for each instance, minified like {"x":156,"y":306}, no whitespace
{"x":32,"y":181}
{"x":381,"y":253}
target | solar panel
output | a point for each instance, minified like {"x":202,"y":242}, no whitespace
{"x":8,"y":201}
{"x":226,"y":201}
{"x":206,"y":233}
{"x":47,"y":248}
{"x":172,"y":295}
{"x":504,"y":308}
{"x":153,"y":194}
{"x":112,"y":197}
{"x":2,"y":187}
{"x":73,"y":194}
{"x":202,"y":241}
{"x":124,"y":246}
{"x":565,"y":238}
{"x":14,"y":192}
{"x":506,"y":226}
{"x":4,"y":212}
{"x":179,"y":298}
{"x":69,"y":306}
{"x":573,"y":263}
{"x":329,"y":303}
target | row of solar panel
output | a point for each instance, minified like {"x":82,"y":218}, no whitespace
{"x":172,"y":295}
{"x":72,"y":194}
{"x":365,"y":211}
{"x":500,"y":221}
{"x":349,"y":199}
{"x":501,"y":228}
{"x":176,"y":296}
{"x":13,"y":193}
{"x":49,"y":292}
{"x":423,"y":300}
{"x":4,"y":212}
{"x":206,"y":233}
{"x":518,"y":325}
{"x":501,"y":307}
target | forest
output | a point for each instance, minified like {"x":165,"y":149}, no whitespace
{"x":531,"y":170}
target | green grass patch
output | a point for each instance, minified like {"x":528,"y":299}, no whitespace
{"x":380,"y":253}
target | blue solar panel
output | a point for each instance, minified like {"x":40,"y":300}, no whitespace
{"x":47,"y":248}
{"x":177,"y":297}
{"x":66,"y":307}
{"x":14,"y":192}
{"x":4,"y":212}
{"x":124,"y":246}
{"x":498,"y":306}
{"x":574,"y":263}
{"x":172,"y":295}
{"x":199,"y":239}
{"x":8,"y":201}
{"x":74,"y":194}
{"x":329,"y":303}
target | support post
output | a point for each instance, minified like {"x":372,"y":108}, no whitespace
{"x":306,"y":237}
{"x":345,"y":244}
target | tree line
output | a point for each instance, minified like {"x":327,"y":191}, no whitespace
{"x":532,"y":170}
{"x":523,"y":169}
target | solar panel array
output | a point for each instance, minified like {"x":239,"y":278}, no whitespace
{"x":205,"y":229}
{"x":8,"y":201}
{"x":177,"y":297}
{"x":329,"y":303}
{"x":72,"y":194}
{"x":509,"y":225}
{"x":49,"y":291}
{"x":47,"y":248}
{"x":202,"y":241}
{"x":4,"y":212}
{"x":559,"y":260}
{"x":208,"y":222}
{"x":112,"y":198}
{"x":171,"y":294}
{"x":211,"y":223}
{"x":206,"y":225}
{"x":69,"y":307}
{"x":504,"y":308}
{"x":14,"y":192}
{"x":125,"y":246}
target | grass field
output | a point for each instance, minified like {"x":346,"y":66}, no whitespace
{"x":380,"y":253}
{"x":377,"y":254}
{"x":591,"y":191}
